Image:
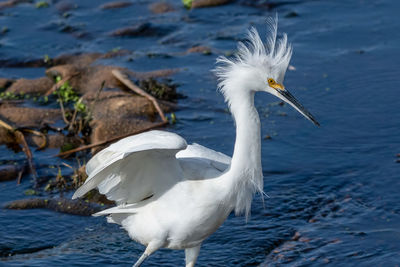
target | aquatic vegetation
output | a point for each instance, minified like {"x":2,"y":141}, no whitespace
{"x":187,"y":3}
{"x":42,"y":4}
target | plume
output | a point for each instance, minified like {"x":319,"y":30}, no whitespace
{"x":273,"y":57}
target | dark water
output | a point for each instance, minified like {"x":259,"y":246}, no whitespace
{"x":337,"y":186}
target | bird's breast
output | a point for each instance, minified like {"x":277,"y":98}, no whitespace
{"x":183,"y":217}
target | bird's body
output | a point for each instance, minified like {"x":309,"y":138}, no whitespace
{"x":173,"y":195}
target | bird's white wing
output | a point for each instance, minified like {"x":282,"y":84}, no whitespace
{"x":199,"y":162}
{"x":135,"y":167}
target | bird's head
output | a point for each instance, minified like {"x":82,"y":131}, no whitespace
{"x":258,"y":67}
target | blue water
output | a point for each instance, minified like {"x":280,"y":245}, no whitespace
{"x":336,"y":186}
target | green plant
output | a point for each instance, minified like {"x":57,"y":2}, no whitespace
{"x":67,"y":96}
{"x":11,"y":96}
{"x":187,"y":3}
{"x":46,"y":59}
{"x":41,"y":4}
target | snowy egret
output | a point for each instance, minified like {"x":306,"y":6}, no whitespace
{"x":173,"y":195}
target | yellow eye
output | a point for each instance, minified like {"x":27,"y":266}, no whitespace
{"x":272,"y":83}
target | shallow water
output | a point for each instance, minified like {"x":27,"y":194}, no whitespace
{"x":337,"y":185}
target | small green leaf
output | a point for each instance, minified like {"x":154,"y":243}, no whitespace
{"x":42,"y":4}
{"x":187,"y":3}
{"x":173,"y":118}
{"x":116,"y":49}
{"x":46,"y":59}
{"x":30,"y":192}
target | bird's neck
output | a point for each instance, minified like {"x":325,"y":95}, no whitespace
{"x":247,"y":151}
{"x":245,"y":173}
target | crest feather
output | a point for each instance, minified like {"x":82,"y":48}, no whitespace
{"x":273,"y":57}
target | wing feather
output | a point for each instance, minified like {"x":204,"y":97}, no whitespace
{"x":199,"y":162}
{"x":131,"y":169}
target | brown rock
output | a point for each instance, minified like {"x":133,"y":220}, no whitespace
{"x":76,"y":207}
{"x":11,"y":3}
{"x":56,"y":140}
{"x":142,"y":29}
{"x":65,"y":5}
{"x":36,"y":86}
{"x":209,"y":3}
{"x":91,"y":79}
{"x":153,"y":74}
{"x":199,"y":49}
{"x":9,"y":172}
{"x":6,"y":137}
{"x":29,"y":117}
{"x":5,"y":83}
{"x":109,"y":128}
{"x":79,"y":60}
{"x":67,"y":70}
{"x":116,"y":4}
{"x":161,"y":7}
{"x":115,"y":116}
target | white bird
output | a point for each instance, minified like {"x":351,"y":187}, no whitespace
{"x":173,"y":195}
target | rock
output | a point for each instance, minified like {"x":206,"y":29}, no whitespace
{"x":161,"y":7}
{"x":35,"y":86}
{"x":292,"y":14}
{"x":91,"y":79}
{"x":119,"y":115}
{"x":11,"y":3}
{"x":161,"y":90}
{"x":6,"y":137}
{"x":267,"y":4}
{"x":199,"y":49}
{"x":153,"y":74}
{"x":116,"y":4}
{"x":55,"y":140}
{"x":65,"y":5}
{"x":67,"y":70}
{"x":79,"y":60}
{"x":142,"y":29}
{"x":76,"y":207}
{"x":209,"y":3}
{"x":109,"y":128}
{"x":29,"y":117}
{"x":5,"y":83}
{"x":9,"y":172}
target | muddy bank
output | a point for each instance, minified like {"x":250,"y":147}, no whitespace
{"x":75,"y":207}
{"x":77,"y":106}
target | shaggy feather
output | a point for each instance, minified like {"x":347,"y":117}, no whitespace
{"x":272,"y":58}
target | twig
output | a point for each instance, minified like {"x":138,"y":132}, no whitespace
{"x":28,"y":153}
{"x":63,"y":110}
{"x":96,"y":98}
{"x":67,"y":165}
{"x":66,"y":153}
{"x":6,"y":125}
{"x":71,"y":124}
{"x":20,"y":176}
{"x":21,"y":140}
{"x":125,"y":80}
{"x":37,"y":133}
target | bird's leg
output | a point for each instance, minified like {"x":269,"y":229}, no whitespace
{"x":141,"y":259}
{"x":151,"y":248}
{"x":191,"y":255}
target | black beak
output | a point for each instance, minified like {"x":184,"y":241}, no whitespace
{"x":289,"y":98}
